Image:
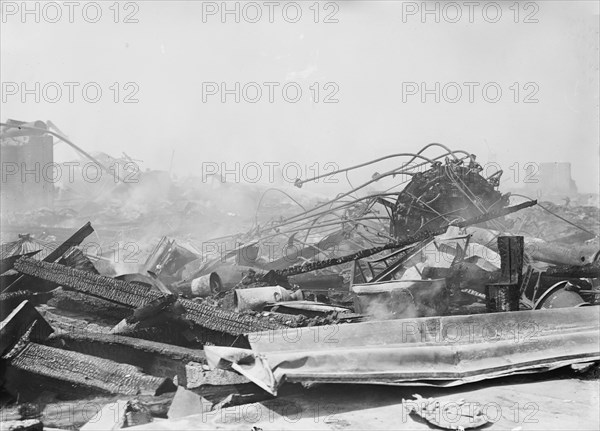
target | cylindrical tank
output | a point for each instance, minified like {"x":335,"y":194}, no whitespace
{"x":256,"y":298}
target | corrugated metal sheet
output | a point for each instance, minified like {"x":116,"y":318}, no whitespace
{"x":437,"y":351}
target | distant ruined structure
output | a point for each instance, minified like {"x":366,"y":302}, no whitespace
{"x":553,"y":180}
{"x":27,"y":158}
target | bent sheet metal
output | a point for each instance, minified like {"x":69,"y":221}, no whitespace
{"x":433,"y":351}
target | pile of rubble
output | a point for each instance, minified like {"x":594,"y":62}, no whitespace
{"x":567,"y":224}
{"x":366,"y":287}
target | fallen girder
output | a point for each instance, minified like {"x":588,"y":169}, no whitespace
{"x":136,"y":296}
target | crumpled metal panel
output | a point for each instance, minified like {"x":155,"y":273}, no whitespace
{"x":435,"y":351}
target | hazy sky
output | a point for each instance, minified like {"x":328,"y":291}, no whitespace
{"x":371,"y":55}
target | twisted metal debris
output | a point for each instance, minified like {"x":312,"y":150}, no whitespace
{"x":423,"y":235}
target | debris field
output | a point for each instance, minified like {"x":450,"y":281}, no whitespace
{"x":157,"y":304}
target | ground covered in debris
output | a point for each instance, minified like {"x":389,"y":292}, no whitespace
{"x":171,"y":304}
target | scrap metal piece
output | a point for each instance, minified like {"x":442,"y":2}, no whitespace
{"x":167,"y":257}
{"x":538,"y":249}
{"x":434,"y":351}
{"x":256,"y":298}
{"x":200,"y":287}
{"x":309,"y":252}
{"x":454,"y":415}
{"x":187,"y":403}
{"x":311,"y":308}
{"x":437,"y":195}
{"x":561,"y":295}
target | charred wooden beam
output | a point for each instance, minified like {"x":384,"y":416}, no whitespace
{"x":231,"y":322}
{"x":129,"y":294}
{"x":591,"y":270}
{"x":74,"y":301}
{"x":136,"y":296}
{"x":155,"y":358}
{"x":510,"y":249}
{"x":131,"y":346}
{"x":8,"y":262}
{"x":82,"y":370}
{"x":174,"y":333}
